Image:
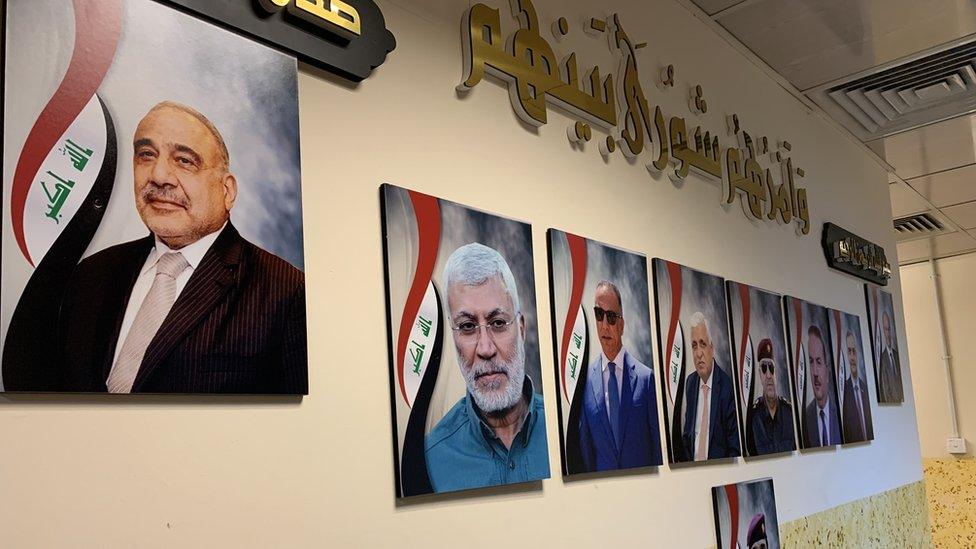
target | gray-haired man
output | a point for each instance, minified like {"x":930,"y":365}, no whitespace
{"x":496,"y":433}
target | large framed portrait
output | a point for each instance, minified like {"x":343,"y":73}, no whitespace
{"x":814,"y":374}
{"x":465,"y":377}
{"x":762,"y":369}
{"x":884,"y":345}
{"x":604,"y":359}
{"x":852,"y":377}
{"x":697,"y":376}
{"x":745,"y":515}
{"x":152,"y":204}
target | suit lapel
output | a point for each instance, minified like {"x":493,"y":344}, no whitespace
{"x":217,"y":272}
{"x":712,"y":408}
{"x":596,"y":389}
{"x":118,"y":300}
{"x":627,"y":396}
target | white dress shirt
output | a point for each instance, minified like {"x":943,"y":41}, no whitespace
{"x":619,"y":368}
{"x":701,"y":406}
{"x":192,"y":253}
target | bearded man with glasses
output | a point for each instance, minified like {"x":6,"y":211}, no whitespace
{"x":618,"y":422}
{"x":496,"y":433}
{"x":771,"y":416}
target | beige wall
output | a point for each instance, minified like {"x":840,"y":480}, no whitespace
{"x":957,"y":275}
{"x":190,"y":471}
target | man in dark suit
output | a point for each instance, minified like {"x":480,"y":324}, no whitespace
{"x":821,"y":420}
{"x":193,"y":307}
{"x":618,"y":424}
{"x":890,"y":382}
{"x":857,"y":408}
{"x":711,"y":429}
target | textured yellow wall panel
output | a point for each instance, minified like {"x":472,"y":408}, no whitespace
{"x":895,"y":518}
{"x":950,"y":485}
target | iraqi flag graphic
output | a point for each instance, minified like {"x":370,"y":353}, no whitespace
{"x":674,"y":354}
{"x":573,"y":358}
{"x":61,"y":186}
{"x":419,"y":339}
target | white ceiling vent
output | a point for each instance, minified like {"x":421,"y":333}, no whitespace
{"x":920,"y":225}
{"x":907,"y":94}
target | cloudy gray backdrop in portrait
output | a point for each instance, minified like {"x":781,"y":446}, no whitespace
{"x":813,"y":315}
{"x":755,"y":497}
{"x":247,"y":90}
{"x":765,"y":321}
{"x":699,"y":292}
{"x":852,"y":323}
{"x":628,"y":271}
{"x":461,"y":225}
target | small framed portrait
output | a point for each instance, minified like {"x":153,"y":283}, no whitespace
{"x":745,"y":515}
{"x":852,"y":377}
{"x":697,"y":374}
{"x":884,"y":345}
{"x":762,"y":370}
{"x":153,"y":205}
{"x":814,"y":374}
{"x":604,"y":357}
{"x":465,"y":377}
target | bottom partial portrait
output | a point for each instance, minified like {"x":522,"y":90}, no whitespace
{"x":745,"y":515}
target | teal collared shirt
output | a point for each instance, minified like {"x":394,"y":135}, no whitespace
{"x":463,"y":452}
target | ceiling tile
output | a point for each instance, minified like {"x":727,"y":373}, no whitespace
{"x":949,"y":187}
{"x":905,"y":201}
{"x":711,"y":7}
{"x":963,"y":214}
{"x":936,"y":247}
{"x":942,"y":146}
{"x":811,"y":42}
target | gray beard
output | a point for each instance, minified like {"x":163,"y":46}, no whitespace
{"x":490,"y":399}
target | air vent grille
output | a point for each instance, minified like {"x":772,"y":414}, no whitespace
{"x":923,"y":224}
{"x":906,"y":94}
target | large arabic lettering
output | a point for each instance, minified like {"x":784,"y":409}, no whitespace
{"x":333,"y":15}
{"x":528,"y":64}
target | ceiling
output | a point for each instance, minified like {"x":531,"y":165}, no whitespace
{"x":899,"y":75}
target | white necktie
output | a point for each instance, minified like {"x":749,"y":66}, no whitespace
{"x":151,"y":314}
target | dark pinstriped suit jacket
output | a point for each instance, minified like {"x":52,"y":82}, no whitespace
{"x":237,"y":327}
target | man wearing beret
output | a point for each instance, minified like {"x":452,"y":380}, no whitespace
{"x":771,"y":416}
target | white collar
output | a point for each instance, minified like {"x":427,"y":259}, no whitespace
{"x":618,"y":360}
{"x":192,"y":253}
{"x":708,"y":382}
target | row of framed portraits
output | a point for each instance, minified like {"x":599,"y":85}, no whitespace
{"x":741,"y":371}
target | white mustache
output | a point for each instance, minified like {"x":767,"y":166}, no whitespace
{"x":488,"y":368}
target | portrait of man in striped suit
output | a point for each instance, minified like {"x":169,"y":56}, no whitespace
{"x":192,"y":307}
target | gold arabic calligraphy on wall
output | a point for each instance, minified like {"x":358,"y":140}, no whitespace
{"x":334,"y":15}
{"x":528,"y":64}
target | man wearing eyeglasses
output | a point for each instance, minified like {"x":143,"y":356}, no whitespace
{"x":618,"y":422}
{"x":771,"y":415}
{"x":496,"y":433}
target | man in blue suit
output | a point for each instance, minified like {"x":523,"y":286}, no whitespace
{"x":710,"y":429}
{"x":618,"y":423}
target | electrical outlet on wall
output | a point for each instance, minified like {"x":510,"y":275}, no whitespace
{"x":956,"y":446}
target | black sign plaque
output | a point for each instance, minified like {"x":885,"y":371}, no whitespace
{"x":348,"y":38}
{"x":847,"y":252}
